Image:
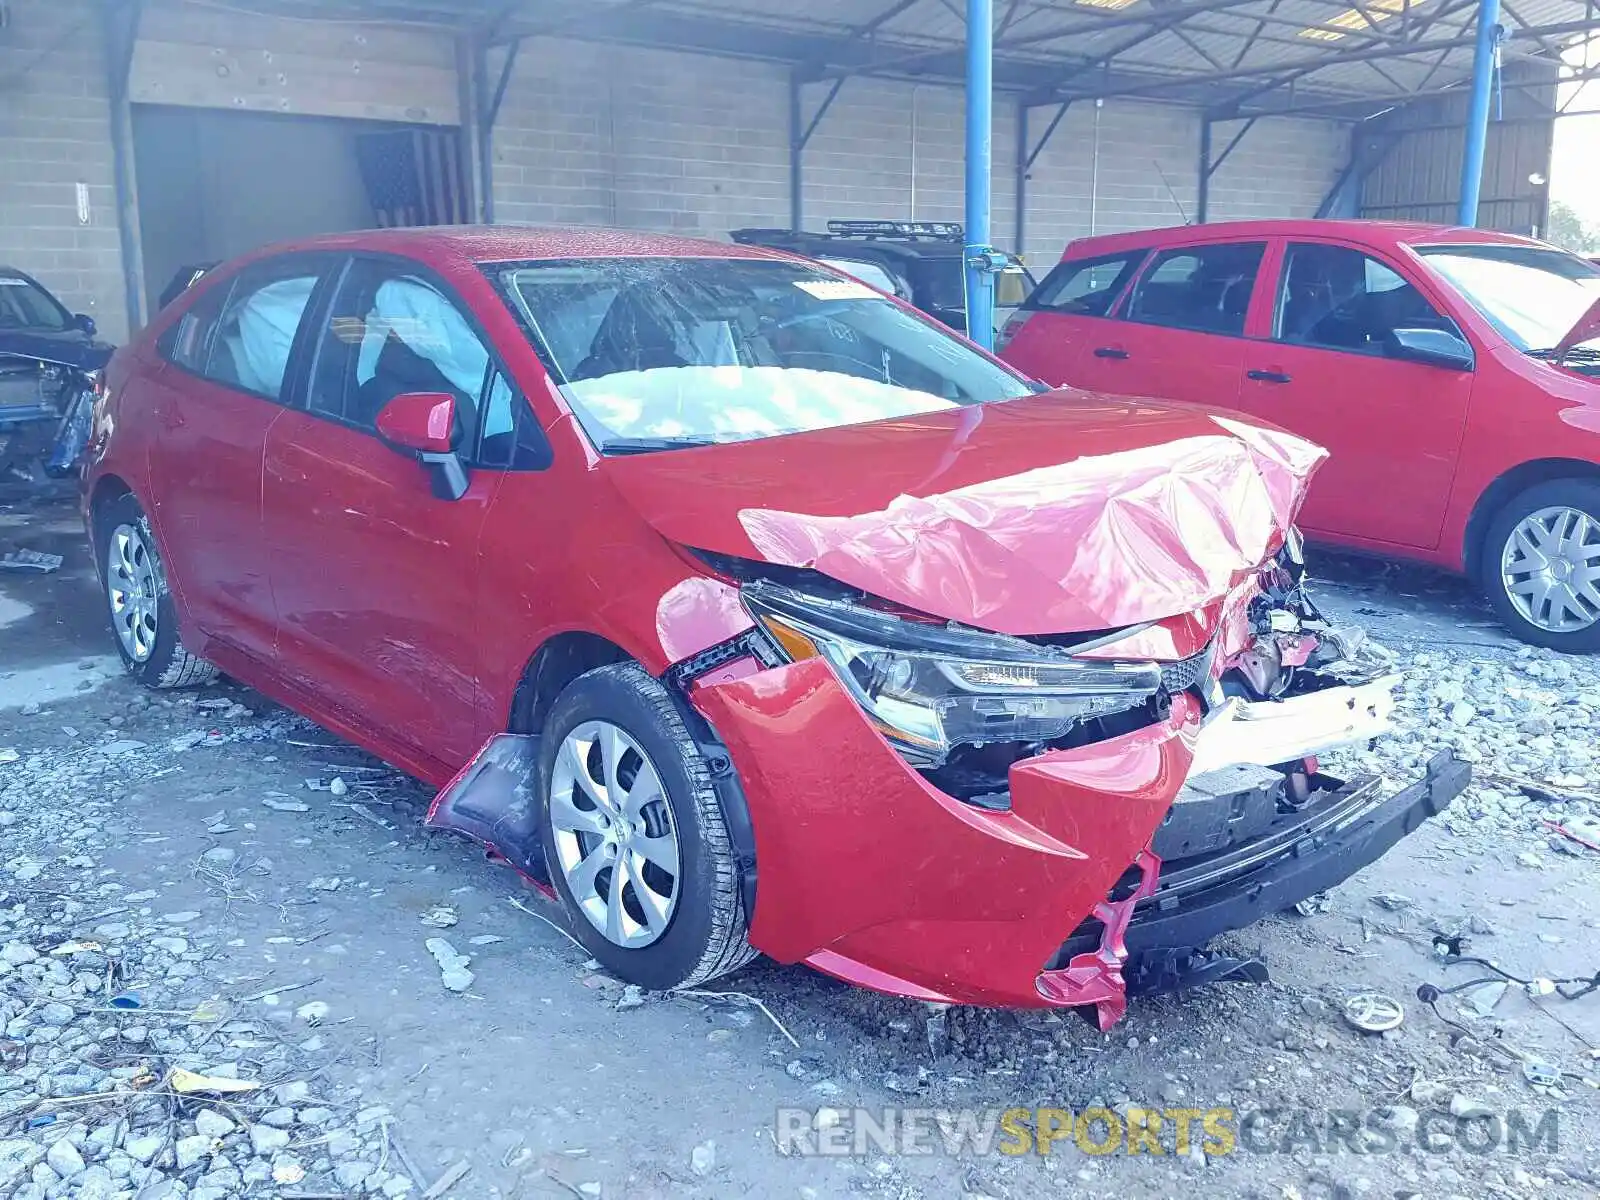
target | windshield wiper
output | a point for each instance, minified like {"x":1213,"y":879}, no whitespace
{"x":649,"y":445}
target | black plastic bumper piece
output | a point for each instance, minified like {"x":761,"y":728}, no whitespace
{"x":1197,"y":902}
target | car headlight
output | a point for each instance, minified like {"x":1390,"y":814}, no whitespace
{"x":931,"y":687}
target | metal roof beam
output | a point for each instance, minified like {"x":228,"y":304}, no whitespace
{"x":950,"y":60}
{"x":1339,"y":107}
{"x":867,"y":30}
{"x":1365,"y":39}
{"x":1278,"y":39}
{"x":1261,"y":25}
{"x":506,"y":28}
{"x":1177,"y":31}
{"x":1522,"y":22}
{"x":1309,"y":66}
{"x":1418,"y":32}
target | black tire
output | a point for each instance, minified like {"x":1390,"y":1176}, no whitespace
{"x":167,"y":664}
{"x":705,"y":934}
{"x":1581,"y":495}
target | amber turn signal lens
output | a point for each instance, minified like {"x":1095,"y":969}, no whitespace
{"x":795,"y":644}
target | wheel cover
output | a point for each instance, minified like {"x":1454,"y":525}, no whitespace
{"x":613,"y":833}
{"x":131,"y":591}
{"x":1550,"y":569}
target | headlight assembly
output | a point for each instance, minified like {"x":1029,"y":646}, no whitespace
{"x":931,"y":687}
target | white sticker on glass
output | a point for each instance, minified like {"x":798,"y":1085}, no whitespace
{"x":836,"y":289}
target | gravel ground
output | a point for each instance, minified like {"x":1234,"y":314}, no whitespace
{"x":201,"y":884}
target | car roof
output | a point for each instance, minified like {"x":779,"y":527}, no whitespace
{"x":1382,"y":234}
{"x":469,"y":245}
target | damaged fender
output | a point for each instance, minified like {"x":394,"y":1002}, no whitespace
{"x":491,"y":800}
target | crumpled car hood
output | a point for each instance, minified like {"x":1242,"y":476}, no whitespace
{"x":1060,"y":513}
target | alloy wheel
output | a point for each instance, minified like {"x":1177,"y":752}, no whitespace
{"x":131,"y":590}
{"x":614,"y":837}
{"x":1550,"y":569}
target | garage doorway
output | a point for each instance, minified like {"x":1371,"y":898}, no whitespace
{"x":214,"y":184}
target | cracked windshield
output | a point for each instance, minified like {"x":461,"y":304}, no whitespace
{"x":697,"y":350}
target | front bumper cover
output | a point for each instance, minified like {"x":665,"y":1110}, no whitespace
{"x":1162,"y":920}
{"x":867,"y":872}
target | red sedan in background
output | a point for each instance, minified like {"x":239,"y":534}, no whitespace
{"x":744,"y":608}
{"x":1450,"y":373}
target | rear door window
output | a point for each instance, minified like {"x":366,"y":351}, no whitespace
{"x":255,"y":336}
{"x":187,"y":341}
{"x":1204,"y":288}
{"x":1086,"y":288}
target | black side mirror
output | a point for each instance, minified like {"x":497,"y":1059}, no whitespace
{"x":85,"y":323}
{"x":1431,"y":347}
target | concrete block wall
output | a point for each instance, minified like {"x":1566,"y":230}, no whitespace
{"x":893,"y":150}
{"x":1101,"y":172}
{"x":55,"y":133}
{"x":595,"y":135}
{"x":1282,"y":168}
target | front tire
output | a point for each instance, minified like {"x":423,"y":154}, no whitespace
{"x":139,"y":601}
{"x":1541,"y":565}
{"x":633,"y":834}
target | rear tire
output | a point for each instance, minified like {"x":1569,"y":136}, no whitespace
{"x":139,"y":601}
{"x":625,"y":796}
{"x":1538,"y":554}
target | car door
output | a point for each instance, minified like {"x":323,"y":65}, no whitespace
{"x":375,"y":575}
{"x":1051,"y":334}
{"x":212,"y":402}
{"x":1181,"y":330}
{"x":1393,"y":427}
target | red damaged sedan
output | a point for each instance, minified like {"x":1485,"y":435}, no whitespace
{"x":744,"y":609}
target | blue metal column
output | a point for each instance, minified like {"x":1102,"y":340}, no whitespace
{"x":1483,"y":68}
{"x":980,"y":114}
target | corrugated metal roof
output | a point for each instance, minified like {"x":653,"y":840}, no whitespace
{"x":1342,"y":56}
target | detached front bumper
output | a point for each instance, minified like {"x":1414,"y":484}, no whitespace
{"x":1195,"y":900}
{"x":869,"y":873}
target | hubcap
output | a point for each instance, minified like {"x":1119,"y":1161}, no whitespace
{"x":1550,"y":568}
{"x":131,"y":589}
{"x":614,"y":835}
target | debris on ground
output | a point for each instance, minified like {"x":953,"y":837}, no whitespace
{"x":453,"y":971}
{"x":171,"y":1091}
{"x":32,"y":561}
{"x":1373,"y":1012}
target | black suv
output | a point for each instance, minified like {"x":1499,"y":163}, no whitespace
{"x":919,"y":261}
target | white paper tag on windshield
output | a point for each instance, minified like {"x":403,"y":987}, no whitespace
{"x":837,"y":289}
